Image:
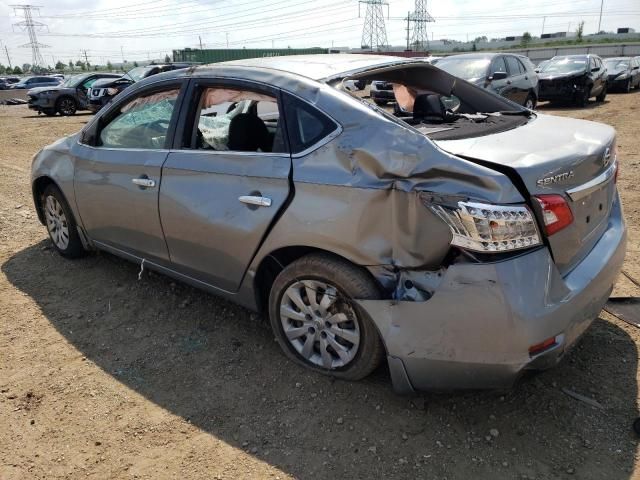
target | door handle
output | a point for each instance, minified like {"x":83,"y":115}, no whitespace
{"x":508,"y":82}
{"x":254,"y":200}
{"x":143,"y":182}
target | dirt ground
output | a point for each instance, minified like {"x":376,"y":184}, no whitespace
{"x":103,"y":375}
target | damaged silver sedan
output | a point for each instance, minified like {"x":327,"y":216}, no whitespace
{"x":463,"y":238}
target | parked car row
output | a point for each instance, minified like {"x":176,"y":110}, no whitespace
{"x":87,"y":91}
{"x":574,"y":78}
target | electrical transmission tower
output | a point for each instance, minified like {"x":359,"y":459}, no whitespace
{"x":374,"y":32}
{"x":420,"y":18}
{"x":30,"y":25}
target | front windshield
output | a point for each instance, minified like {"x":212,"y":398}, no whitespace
{"x":617,"y":64}
{"x":75,"y":81}
{"x":566,"y":65}
{"x":465,"y":68}
{"x":137,"y":73}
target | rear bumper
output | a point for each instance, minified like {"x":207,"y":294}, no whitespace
{"x":477,"y":328}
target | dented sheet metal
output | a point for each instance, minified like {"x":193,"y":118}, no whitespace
{"x":476,"y":328}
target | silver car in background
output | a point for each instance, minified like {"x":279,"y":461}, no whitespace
{"x":464,"y":247}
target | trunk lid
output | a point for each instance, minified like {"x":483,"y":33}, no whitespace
{"x":555,"y":155}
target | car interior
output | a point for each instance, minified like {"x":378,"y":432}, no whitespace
{"x":235,"y":120}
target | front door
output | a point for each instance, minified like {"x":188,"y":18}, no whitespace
{"x":226,"y":181}
{"x":117,"y":177}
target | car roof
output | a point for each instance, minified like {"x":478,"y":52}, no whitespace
{"x":617,"y":58}
{"x":315,"y":67}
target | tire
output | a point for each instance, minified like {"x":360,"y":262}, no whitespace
{"x":583,"y":100}
{"x":380,"y":103}
{"x":530,"y":102}
{"x":627,"y":87}
{"x":49,"y":112}
{"x":600,"y":98}
{"x":66,"y":106}
{"x":59,"y":219}
{"x":321,"y":275}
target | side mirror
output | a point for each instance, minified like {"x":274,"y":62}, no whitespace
{"x":595,"y":69}
{"x":635,"y":68}
{"x":537,"y":70}
{"x":498,"y":76}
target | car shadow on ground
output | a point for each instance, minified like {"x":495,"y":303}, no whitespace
{"x":569,"y":106}
{"x":217,"y":365}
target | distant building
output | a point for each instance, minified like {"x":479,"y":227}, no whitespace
{"x":626,"y":30}
{"x":557,"y":35}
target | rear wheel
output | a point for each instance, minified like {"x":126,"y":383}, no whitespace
{"x":317,"y":323}
{"x":66,"y":106}
{"x":61,"y":225}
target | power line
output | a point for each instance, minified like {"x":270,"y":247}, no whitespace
{"x":374,"y":32}
{"x":30,"y":26}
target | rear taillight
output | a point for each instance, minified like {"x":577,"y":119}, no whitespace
{"x":556,"y":212}
{"x":489,"y":228}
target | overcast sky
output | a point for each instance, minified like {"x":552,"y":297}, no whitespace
{"x":141,"y":29}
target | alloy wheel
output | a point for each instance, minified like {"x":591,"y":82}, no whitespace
{"x":320,"y":325}
{"x":67,"y":106}
{"x":529,"y":103}
{"x":56,"y":222}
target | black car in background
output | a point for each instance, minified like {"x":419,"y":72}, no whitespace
{"x":624,"y":73}
{"x":103,"y":91}
{"x":574,"y":78}
{"x":6,"y":82}
{"x":509,"y":75}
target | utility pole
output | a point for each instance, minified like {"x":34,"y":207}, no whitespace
{"x":200,"y":40}
{"x":600,"y":18}
{"x":544,"y":19}
{"x":86,"y":58}
{"x":420,"y":19}
{"x":374,"y":32}
{"x":122,"y":53}
{"x":408,"y":29}
{"x":227,"y":34}
{"x":8,"y":57}
{"x":30,"y":26}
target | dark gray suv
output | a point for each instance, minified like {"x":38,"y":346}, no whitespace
{"x":65,"y":98}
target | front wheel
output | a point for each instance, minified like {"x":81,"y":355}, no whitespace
{"x":49,"y":112}
{"x":530,"y":102}
{"x":61,"y":225}
{"x":317,"y":323}
{"x":66,"y":106}
{"x":602,"y":95}
{"x":583,"y":98}
{"x":627,"y":87}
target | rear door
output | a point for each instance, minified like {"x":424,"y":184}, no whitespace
{"x":118,"y":171}
{"x":225,"y":181}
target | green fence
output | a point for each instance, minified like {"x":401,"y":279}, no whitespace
{"x":223,"y":55}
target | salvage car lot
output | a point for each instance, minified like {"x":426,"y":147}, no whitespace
{"x":103,"y":374}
